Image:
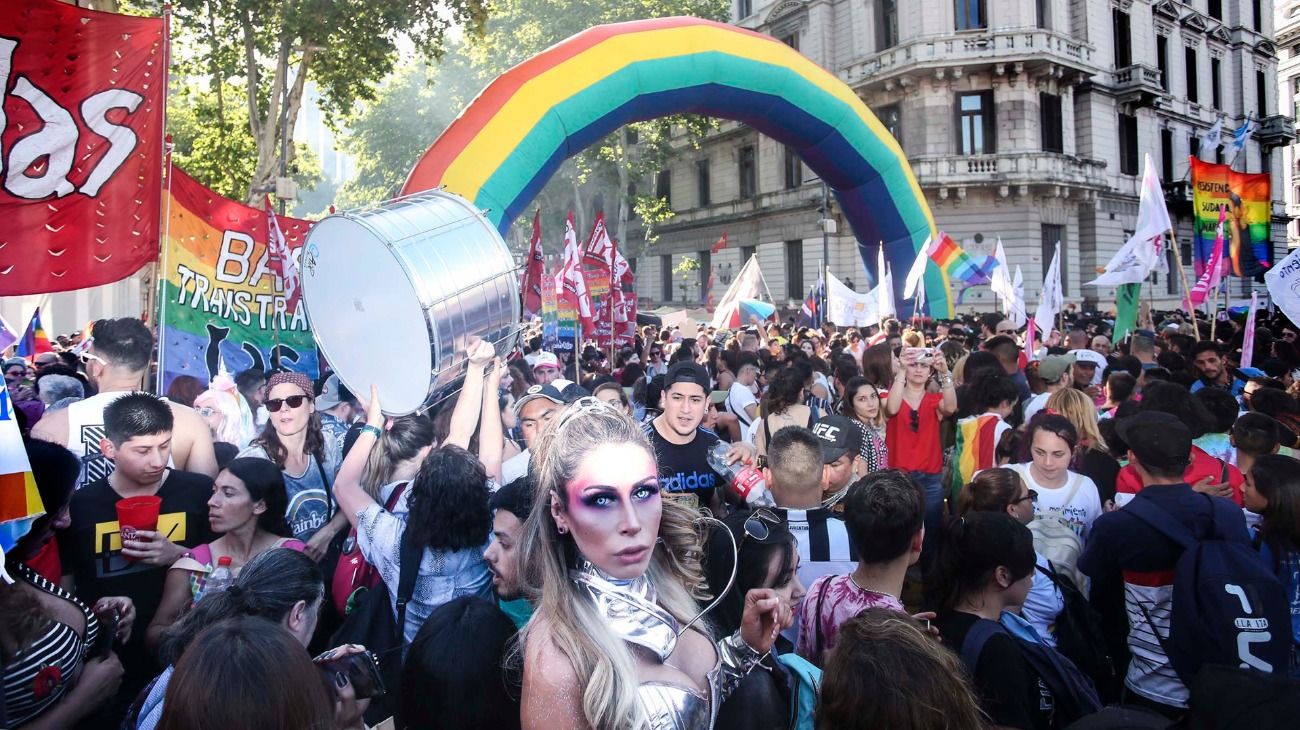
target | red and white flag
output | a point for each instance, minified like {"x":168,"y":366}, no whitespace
{"x":281,"y":260}
{"x":81,"y":134}
{"x":569,"y":282}
{"x":534,"y":269}
{"x":721,"y":243}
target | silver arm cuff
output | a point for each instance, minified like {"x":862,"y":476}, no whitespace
{"x":737,"y":658}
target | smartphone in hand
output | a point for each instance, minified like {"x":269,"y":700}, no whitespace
{"x":361,"y":670}
{"x":108,"y":619}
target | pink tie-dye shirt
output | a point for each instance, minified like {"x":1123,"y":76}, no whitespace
{"x":831,"y":601}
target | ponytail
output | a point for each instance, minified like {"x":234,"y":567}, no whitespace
{"x":972,"y":548}
{"x":402,"y":441}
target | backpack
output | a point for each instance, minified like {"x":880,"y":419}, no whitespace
{"x":1080,"y":637}
{"x":1057,"y":542}
{"x":1228,"y":607}
{"x":353,"y":576}
{"x":373,"y":625}
{"x":806,"y":685}
{"x":1073,"y":693}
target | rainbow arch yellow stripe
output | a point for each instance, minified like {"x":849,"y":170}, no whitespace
{"x":510,"y":140}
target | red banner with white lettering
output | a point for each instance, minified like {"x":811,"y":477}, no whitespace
{"x":81,"y":145}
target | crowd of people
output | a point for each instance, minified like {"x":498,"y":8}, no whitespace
{"x":913,"y":526}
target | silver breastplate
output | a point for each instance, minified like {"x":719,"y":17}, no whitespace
{"x":669,"y":707}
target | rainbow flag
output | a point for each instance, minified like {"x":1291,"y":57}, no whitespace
{"x":1246,"y":198}
{"x":34,"y":340}
{"x":20,"y":502}
{"x":957,"y":266}
{"x":221,"y":299}
{"x":977,"y":444}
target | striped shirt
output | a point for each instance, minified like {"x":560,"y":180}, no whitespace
{"x":823,"y":542}
{"x":43,"y":672}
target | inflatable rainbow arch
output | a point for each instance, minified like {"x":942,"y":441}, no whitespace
{"x":512,"y":138}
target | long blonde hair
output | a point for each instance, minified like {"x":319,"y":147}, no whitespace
{"x":1078,"y":408}
{"x":609,"y":697}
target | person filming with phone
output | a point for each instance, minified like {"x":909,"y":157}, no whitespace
{"x":915,"y":410}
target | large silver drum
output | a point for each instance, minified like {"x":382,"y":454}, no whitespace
{"x":397,"y":293}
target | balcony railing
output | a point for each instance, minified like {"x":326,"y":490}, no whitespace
{"x":1028,"y":46}
{"x":1011,"y":169}
{"x":1275,"y":131}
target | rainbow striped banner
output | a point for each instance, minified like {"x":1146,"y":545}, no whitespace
{"x":221,"y":302}
{"x":977,"y":445}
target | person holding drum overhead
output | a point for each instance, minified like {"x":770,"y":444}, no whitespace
{"x":293,"y":439}
{"x":445,"y":505}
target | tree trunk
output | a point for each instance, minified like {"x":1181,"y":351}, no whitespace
{"x":624,"y":205}
{"x":579,"y":210}
{"x":218,"y":83}
{"x":266,"y":129}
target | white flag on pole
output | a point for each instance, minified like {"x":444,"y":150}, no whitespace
{"x":1212,"y":138}
{"x":1144,"y":250}
{"x":1050,"y":299}
{"x":885,"y":288}
{"x":916,"y":274}
{"x":1283,"y":282}
{"x":1001,"y":283}
{"x":1017,"y":313}
{"x":848,"y":308}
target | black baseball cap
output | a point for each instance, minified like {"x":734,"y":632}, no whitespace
{"x":838,"y":436}
{"x":687,"y":372}
{"x":538,"y":391}
{"x":1158,"y":440}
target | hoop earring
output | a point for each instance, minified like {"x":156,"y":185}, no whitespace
{"x":561,"y":530}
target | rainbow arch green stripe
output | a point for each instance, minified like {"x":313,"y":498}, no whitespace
{"x":510,"y":140}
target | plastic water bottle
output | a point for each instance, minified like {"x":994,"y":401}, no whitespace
{"x":220,"y":579}
{"x":743,"y":481}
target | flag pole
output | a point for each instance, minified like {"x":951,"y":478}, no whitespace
{"x":1187,"y":290}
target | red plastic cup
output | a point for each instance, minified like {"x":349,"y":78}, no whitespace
{"x":137,"y":513}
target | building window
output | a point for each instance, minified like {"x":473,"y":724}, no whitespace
{"x":1261,"y":95}
{"x":1167,"y":154}
{"x":632,"y":136}
{"x":1193,"y":81}
{"x":1128,"y":144}
{"x":666,"y":277}
{"x":702,"y":178}
{"x":793,"y":169}
{"x":1256,"y":16}
{"x":794,"y":269}
{"x":970,"y":15}
{"x":1052,"y":235}
{"x":747,"y":253}
{"x":1216,"y":91}
{"x":706,"y":270}
{"x":1043,"y":9}
{"x":748,"y":178}
{"x":892,"y":118}
{"x":1265,"y":158}
{"x":664,"y":186}
{"x":745,"y":8}
{"x":1162,"y":60}
{"x":791,"y":40}
{"x":1122,"y":37}
{"x":631,"y":192}
{"x":1215,"y":9}
{"x":886,"y":24}
{"x":1193,"y":145}
{"x":1049,"y":106}
{"x":1171,"y":281}
{"x":975,"y":124}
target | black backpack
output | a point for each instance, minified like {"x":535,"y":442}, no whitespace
{"x":1228,"y":607}
{"x":373,"y":625}
{"x":1072,"y":691}
{"x":1079,"y":636}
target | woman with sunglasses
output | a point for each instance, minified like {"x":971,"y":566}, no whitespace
{"x":615,"y":644}
{"x":293,"y":439}
{"x":915,"y":413}
{"x":766,"y":556}
{"x":1002,"y":490}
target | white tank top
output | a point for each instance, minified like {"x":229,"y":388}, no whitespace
{"x":85,"y":430}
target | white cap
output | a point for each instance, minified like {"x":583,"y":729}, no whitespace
{"x":546,"y":360}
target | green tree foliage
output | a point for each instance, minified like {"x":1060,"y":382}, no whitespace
{"x":271,"y":48}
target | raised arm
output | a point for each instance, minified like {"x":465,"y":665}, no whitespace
{"x":465,"y":416}
{"x":491,"y":438}
{"x":894,"y":403}
{"x":349,"y":494}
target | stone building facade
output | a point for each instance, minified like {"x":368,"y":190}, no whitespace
{"x":1025,"y":120}
{"x":1287,"y":24}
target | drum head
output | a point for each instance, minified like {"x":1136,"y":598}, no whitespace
{"x":366,"y":316}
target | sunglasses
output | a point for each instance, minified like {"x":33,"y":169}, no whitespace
{"x":756,"y":526}
{"x":1031,"y":497}
{"x":915,"y":423}
{"x":293,"y":401}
